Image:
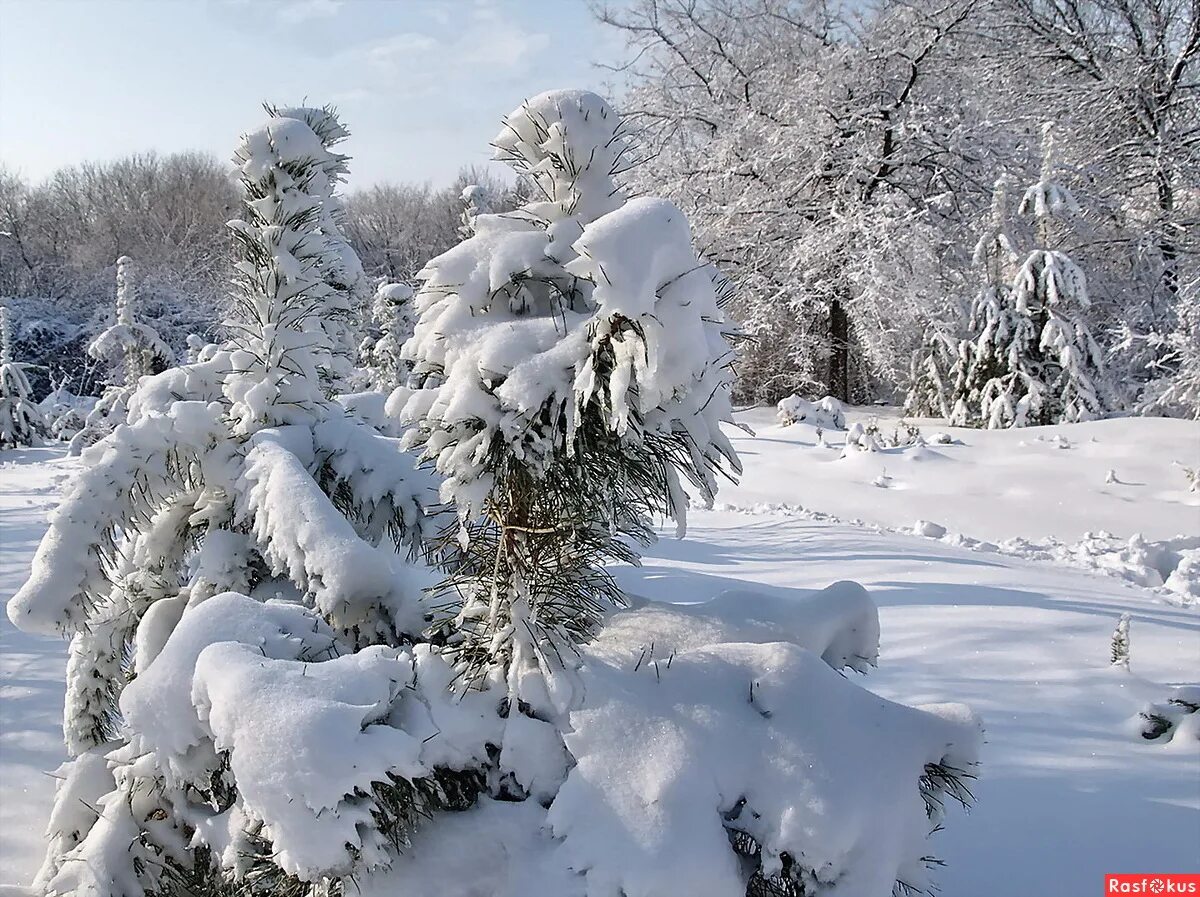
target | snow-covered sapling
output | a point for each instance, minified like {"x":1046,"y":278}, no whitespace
{"x":131,"y":350}
{"x":392,"y":324}
{"x":1120,"y":643}
{"x":21,"y":422}
{"x":574,"y":370}
{"x":1050,"y":290}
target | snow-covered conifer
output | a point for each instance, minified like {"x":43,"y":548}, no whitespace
{"x":238,"y":474}
{"x":21,"y":422}
{"x":1120,"y":643}
{"x":574,"y":365}
{"x":131,"y":350}
{"x":571,"y":374}
{"x":1030,"y":358}
{"x":1050,"y":290}
{"x":392,"y":324}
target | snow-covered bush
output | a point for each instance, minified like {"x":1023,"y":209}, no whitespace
{"x":1175,"y":721}
{"x":131,"y":350}
{"x":826,"y":413}
{"x":21,"y":421}
{"x":65,"y":413}
{"x":238,"y":473}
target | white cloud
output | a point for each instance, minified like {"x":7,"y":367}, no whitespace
{"x":293,"y":12}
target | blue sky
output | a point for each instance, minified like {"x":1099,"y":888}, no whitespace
{"x":421,"y":84}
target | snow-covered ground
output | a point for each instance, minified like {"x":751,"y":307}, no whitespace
{"x":1011,"y":610}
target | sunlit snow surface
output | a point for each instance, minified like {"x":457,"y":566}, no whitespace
{"x":1019,"y":630}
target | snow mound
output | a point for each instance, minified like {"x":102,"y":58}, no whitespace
{"x":672,"y":763}
{"x":826,"y":413}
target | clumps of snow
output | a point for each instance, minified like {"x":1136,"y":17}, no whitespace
{"x":860,"y":438}
{"x":826,"y":413}
{"x":928,"y":529}
{"x":943,"y":439}
{"x":1175,"y":721}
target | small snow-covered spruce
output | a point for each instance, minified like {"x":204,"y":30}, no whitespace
{"x":995,"y":377}
{"x":236,"y":475}
{"x":131,"y":350}
{"x":21,"y":422}
{"x":1120,"y":643}
{"x":1050,"y":290}
{"x":574,"y":366}
{"x":392,"y":324}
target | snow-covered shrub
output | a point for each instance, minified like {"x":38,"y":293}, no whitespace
{"x":65,"y":414}
{"x":21,"y":421}
{"x":1175,"y":721}
{"x":238,"y":473}
{"x":826,"y":413}
{"x":392,"y":324}
{"x":1120,"y":643}
{"x":131,"y":350}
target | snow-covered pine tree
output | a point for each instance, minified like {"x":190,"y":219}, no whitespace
{"x":21,"y":421}
{"x":1050,"y":290}
{"x":994,"y":380}
{"x":571,"y":373}
{"x":575,"y":366}
{"x":930,"y":382}
{"x":392,"y":324}
{"x":131,"y":350}
{"x":237,"y":476}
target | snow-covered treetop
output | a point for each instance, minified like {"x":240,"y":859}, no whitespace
{"x":1048,"y":198}
{"x":297,"y":274}
{"x":126,"y":290}
{"x":572,"y":146}
{"x":476,"y":199}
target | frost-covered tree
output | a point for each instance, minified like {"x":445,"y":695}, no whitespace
{"x":392,"y":320}
{"x":131,"y":350}
{"x":21,"y":421}
{"x":217,"y":564}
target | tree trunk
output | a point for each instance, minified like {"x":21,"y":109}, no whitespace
{"x":839,"y":356}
